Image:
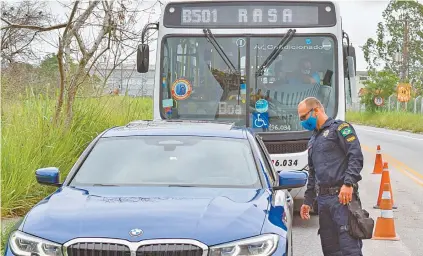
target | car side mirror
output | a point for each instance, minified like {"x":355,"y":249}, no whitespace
{"x":143,"y":55}
{"x":291,"y":179}
{"x":48,"y":176}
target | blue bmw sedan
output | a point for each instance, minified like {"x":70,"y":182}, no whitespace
{"x":174,"y":188}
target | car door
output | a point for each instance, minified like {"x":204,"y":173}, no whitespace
{"x":283,"y":196}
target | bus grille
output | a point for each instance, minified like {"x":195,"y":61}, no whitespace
{"x":285,"y":147}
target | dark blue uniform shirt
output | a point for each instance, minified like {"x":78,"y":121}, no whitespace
{"x":334,"y":157}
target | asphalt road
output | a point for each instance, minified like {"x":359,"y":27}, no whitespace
{"x":404,"y":153}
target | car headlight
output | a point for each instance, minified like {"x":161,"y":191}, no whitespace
{"x":263,"y":245}
{"x":26,"y":245}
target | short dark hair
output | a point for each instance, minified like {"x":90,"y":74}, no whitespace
{"x":312,"y":102}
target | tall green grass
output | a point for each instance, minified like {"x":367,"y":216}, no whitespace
{"x":30,"y":141}
{"x":404,"y":121}
{"x":5,"y":232}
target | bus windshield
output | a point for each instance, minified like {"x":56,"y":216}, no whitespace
{"x":199,"y":83}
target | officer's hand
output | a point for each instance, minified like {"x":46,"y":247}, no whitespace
{"x":305,"y":212}
{"x":345,"y":195}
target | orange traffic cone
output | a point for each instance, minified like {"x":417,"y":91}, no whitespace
{"x":385,"y":178}
{"x":385,"y":226}
{"x":378,"y":162}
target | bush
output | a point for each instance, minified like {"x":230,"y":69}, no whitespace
{"x":30,"y":141}
{"x":393,"y":120}
{"x":380,"y":83}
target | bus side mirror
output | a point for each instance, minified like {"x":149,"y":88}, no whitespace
{"x":143,"y":54}
{"x":351,"y":67}
{"x":349,"y":52}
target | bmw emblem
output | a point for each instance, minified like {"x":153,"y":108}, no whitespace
{"x":136,"y":232}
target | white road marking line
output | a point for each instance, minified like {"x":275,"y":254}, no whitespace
{"x":388,"y":133}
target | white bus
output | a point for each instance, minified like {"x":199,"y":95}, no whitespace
{"x":251,"y":62}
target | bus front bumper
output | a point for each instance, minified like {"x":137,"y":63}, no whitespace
{"x":292,"y":161}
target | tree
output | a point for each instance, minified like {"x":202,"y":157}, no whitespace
{"x":16,"y":79}
{"x":50,"y":65}
{"x":91,"y":30}
{"x":401,"y":32}
{"x":21,"y":24}
{"x":380,"y":83}
{"x":124,"y":43}
{"x":112,"y":23}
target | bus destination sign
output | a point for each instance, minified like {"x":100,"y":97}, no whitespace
{"x":250,"y":14}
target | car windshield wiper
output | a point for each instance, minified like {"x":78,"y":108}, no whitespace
{"x":276,"y":51}
{"x":212,"y":40}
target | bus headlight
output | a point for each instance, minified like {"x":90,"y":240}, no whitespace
{"x":262,"y":245}
{"x":26,"y":245}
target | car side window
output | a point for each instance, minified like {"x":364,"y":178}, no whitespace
{"x":267,"y":161}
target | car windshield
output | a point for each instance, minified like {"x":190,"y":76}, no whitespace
{"x":169,"y":161}
{"x":197,"y":82}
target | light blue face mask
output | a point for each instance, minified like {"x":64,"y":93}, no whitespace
{"x":311,"y":122}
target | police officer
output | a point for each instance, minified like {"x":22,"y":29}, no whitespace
{"x":335,"y":162}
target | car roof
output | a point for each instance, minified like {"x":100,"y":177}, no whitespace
{"x":179,"y":128}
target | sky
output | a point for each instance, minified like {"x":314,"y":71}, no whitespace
{"x":360,"y":19}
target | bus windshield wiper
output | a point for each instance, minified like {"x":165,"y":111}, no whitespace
{"x":276,"y":51}
{"x":212,"y":40}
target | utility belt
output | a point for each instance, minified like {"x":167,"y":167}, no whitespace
{"x":326,"y":190}
{"x":360,"y":224}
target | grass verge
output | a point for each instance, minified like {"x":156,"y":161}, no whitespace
{"x":392,"y":120}
{"x":30,"y":141}
{"x":5,"y":232}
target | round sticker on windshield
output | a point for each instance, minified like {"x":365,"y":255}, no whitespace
{"x":181,"y":89}
{"x":262,"y":105}
{"x":326,"y":44}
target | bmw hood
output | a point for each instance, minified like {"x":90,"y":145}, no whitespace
{"x":210,"y":215}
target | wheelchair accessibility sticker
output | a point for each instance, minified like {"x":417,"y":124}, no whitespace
{"x":260,"y":120}
{"x":181,"y":89}
{"x":262,"y":106}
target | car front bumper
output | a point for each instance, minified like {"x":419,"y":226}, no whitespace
{"x":281,"y":250}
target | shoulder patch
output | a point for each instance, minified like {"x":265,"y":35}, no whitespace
{"x":342,"y":126}
{"x":346,"y":131}
{"x":351,"y":138}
